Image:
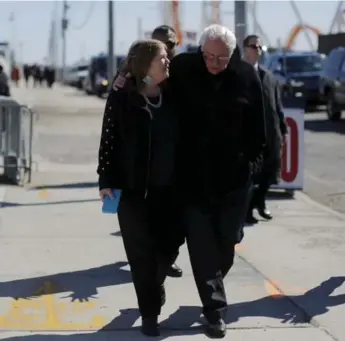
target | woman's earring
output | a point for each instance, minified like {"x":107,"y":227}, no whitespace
{"x":147,"y":80}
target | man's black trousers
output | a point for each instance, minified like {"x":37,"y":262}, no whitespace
{"x":150,"y":232}
{"x":212,"y":232}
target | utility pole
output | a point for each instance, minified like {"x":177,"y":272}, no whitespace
{"x":140,"y":28}
{"x":336,"y":19}
{"x":13,"y":42}
{"x":111,"y":59}
{"x":240,"y":21}
{"x":64,"y":27}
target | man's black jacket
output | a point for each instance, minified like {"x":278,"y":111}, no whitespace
{"x":275,"y":127}
{"x":222,"y":125}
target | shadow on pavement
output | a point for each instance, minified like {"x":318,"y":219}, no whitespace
{"x":315,"y":302}
{"x":82,"y":284}
{"x":325,"y":126}
{"x":75,"y":185}
{"x":76,"y":93}
{"x":63,"y":202}
{"x":279,"y":195}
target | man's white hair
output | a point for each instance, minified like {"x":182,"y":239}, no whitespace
{"x":218,"y":32}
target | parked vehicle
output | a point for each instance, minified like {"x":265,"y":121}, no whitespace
{"x":332,"y":83}
{"x":298,"y":74}
{"x":76,"y":74}
{"x":96,"y":81}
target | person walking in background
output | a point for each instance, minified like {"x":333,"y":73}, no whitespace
{"x":136,"y":155}
{"x":167,"y":35}
{"x":222,"y":138}
{"x":15,"y":75}
{"x":27,"y":74}
{"x":275,"y":129}
{"x":4,"y":84}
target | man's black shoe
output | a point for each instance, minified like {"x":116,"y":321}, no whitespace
{"x":251,"y":220}
{"x":175,"y":271}
{"x":216,"y":330}
{"x":150,"y":326}
{"x":265,"y":213}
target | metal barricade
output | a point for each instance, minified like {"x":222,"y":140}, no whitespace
{"x":16,"y":136}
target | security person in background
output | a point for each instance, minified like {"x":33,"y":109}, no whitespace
{"x":167,"y":35}
{"x":275,"y":129}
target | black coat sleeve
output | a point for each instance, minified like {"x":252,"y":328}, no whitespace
{"x":255,"y":123}
{"x":108,"y":155}
{"x":176,"y":72}
{"x":279,"y":110}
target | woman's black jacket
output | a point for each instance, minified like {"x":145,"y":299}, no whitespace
{"x":125,"y":147}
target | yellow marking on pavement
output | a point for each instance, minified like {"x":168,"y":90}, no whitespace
{"x":272,"y":289}
{"x":47,"y":312}
{"x":43,"y":194}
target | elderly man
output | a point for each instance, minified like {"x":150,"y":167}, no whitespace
{"x":222,"y":136}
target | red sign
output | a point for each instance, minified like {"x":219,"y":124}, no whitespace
{"x":290,"y":167}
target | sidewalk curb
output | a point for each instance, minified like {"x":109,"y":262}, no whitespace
{"x":304,"y":197}
{"x":2,"y":195}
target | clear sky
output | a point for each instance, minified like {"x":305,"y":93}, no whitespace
{"x":30,"y":27}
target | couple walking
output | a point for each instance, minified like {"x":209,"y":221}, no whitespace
{"x":182,"y":138}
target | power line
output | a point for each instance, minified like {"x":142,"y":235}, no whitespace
{"x":87,"y":17}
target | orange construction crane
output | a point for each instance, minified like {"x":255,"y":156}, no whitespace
{"x":296,"y":30}
{"x":216,"y":11}
{"x":175,"y":6}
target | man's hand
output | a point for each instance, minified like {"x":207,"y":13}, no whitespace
{"x":120,"y":81}
{"x":106,"y":192}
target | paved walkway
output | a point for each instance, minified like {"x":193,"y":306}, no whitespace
{"x":64,"y":269}
{"x":64,"y":274}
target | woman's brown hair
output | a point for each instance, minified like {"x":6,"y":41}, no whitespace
{"x":138,"y":62}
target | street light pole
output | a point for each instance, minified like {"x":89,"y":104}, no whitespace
{"x":64,"y":24}
{"x":240,"y":21}
{"x":110,"y":41}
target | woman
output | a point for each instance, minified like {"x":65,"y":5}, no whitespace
{"x":136,"y":155}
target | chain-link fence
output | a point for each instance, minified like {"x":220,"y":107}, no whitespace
{"x":16,"y":134}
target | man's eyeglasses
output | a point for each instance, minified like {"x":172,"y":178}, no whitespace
{"x":170,"y":44}
{"x":255,"y":47}
{"x":215,"y":59}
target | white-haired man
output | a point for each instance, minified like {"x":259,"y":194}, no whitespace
{"x":222,"y":137}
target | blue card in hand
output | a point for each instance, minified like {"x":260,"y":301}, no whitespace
{"x":111,"y":205}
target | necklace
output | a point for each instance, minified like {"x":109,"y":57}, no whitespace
{"x":154,"y":105}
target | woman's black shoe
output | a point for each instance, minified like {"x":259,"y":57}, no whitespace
{"x":150,"y":326}
{"x":174,"y":271}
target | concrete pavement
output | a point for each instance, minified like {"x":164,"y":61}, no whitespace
{"x":64,"y":270}
{"x":325,"y":160}
{"x":64,"y":274}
